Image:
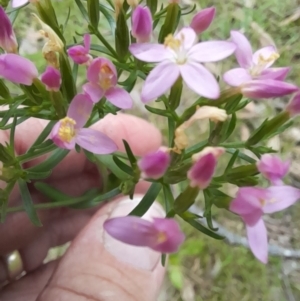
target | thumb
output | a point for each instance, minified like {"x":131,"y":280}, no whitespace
{"x":98,"y":267}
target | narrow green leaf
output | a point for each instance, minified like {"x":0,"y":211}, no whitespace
{"x":107,"y":12}
{"x":231,"y":161}
{"x":43,"y":135}
{"x":231,"y":127}
{"x":169,"y":198}
{"x":240,"y":155}
{"x":130,"y":155}
{"x":28,"y":203}
{"x":83,"y":10}
{"x":158,"y":111}
{"x":148,"y":199}
{"x":123,"y":166}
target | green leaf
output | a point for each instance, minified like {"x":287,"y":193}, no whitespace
{"x":201,"y":228}
{"x":31,"y":175}
{"x":171,"y":127}
{"x":43,"y":135}
{"x":100,"y":49}
{"x":158,"y":111}
{"x":148,"y":199}
{"x":107,"y":14}
{"x":83,"y":10}
{"x":130,"y":155}
{"x":28,"y":203}
{"x":231,"y":161}
{"x":207,"y":212}
{"x":123,"y":166}
{"x":240,"y":155}
{"x":168,"y":197}
{"x":231,"y":127}
{"x":56,"y":157}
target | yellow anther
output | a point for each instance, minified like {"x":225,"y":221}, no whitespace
{"x":105,"y":77}
{"x":264,"y":60}
{"x":66,"y":130}
{"x":161,"y":237}
{"x":172,"y":43}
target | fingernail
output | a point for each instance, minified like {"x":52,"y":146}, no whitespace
{"x":139,"y":257}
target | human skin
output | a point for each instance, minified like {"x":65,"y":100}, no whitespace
{"x":94,"y":267}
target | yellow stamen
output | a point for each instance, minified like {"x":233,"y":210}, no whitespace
{"x":161,"y":237}
{"x":172,"y":43}
{"x":66,"y":130}
{"x":106,"y":74}
{"x":264,"y":60}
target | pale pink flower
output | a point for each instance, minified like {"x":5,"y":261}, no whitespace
{"x":51,"y":78}
{"x":102,"y":76}
{"x":18,"y":3}
{"x":8,"y":41}
{"x":202,"y":20}
{"x":80,"y":54}
{"x":251,"y":203}
{"x":141,"y":20}
{"x":162,"y":234}
{"x":273,"y":168}
{"x":255,"y":77}
{"x":17,"y":69}
{"x":154,"y":165}
{"x":69,"y":130}
{"x":179,"y":56}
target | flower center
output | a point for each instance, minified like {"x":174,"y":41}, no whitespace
{"x":161,"y":237}
{"x":176,"y":46}
{"x":66,"y":130}
{"x":105,"y":77}
{"x":263,"y":62}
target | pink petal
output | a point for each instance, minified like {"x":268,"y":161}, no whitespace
{"x":267,"y":88}
{"x":294,"y":105}
{"x":258,"y":240}
{"x":248,"y":204}
{"x":78,"y":54}
{"x":200,"y":80}
{"x":87,"y":42}
{"x":95,"y":142}
{"x":274,"y":73}
{"x":211,"y":51}
{"x":17,"y":3}
{"x":281,"y":197}
{"x":17,"y":69}
{"x":141,"y":20}
{"x":93,"y":91}
{"x":154,"y":165}
{"x":173,"y":236}
{"x":152,"y":53}
{"x":273,"y":168}
{"x":159,"y":80}
{"x":94,"y":70}
{"x":202,"y":20}
{"x":188,"y":37}
{"x":51,"y":78}
{"x":119,"y":97}
{"x":243,"y":51}
{"x":236,"y":77}
{"x":80,"y":109}
{"x":265,"y":53}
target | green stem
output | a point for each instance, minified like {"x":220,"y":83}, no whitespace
{"x":105,"y":43}
{"x":29,"y":156}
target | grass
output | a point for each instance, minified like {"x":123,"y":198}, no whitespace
{"x":206,"y":269}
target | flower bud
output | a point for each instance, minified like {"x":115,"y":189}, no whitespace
{"x":17,"y":69}
{"x":202,"y":171}
{"x":293,"y":108}
{"x":154,"y":165}
{"x":51,"y":78}
{"x":80,"y":54}
{"x":141,"y":24}
{"x":273,"y":168}
{"x":8,"y":40}
{"x":203,"y":19}
{"x":161,"y":234}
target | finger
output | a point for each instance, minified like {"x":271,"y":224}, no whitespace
{"x":28,"y":287}
{"x":97,"y":267}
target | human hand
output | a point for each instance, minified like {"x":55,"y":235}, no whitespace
{"x":95,"y":267}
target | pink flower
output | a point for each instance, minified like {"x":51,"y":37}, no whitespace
{"x":162,"y":234}
{"x":102,"y":76}
{"x":253,"y":65}
{"x":51,"y":78}
{"x":8,"y":41}
{"x":17,"y":3}
{"x":141,"y":20}
{"x":69,"y":130}
{"x":17,"y":69}
{"x":273,"y":168}
{"x":202,"y":20}
{"x":154,"y":165}
{"x":294,"y":105}
{"x":180,"y":56}
{"x":255,"y":77}
{"x":80,"y":54}
{"x":251,"y":203}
